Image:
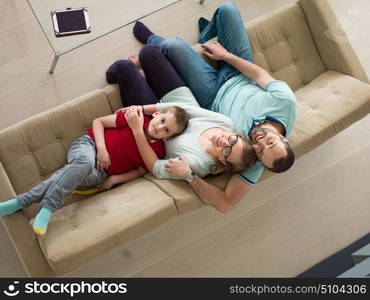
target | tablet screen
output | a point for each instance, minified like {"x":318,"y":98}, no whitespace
{"x":71,"y":20}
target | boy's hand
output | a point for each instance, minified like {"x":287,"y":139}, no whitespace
{"x":178,"y":167}
{"x":107,"y":184}
{"x":124,"y":109}
{"x":215,"y":50}
{"x":135,"y":119}
{"x":102,"y":159}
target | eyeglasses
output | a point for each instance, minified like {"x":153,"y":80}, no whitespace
{"x":232,"y":140}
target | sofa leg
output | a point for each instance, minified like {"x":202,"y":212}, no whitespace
{"x":26,"y":245}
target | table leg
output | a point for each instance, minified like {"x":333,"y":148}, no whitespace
{"x":53,"y":64}
{"x":201,"y":1}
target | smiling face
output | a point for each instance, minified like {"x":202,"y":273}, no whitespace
{"x":162,"y":126}
{"x":222,"y":140}
{"x":268,"y":144}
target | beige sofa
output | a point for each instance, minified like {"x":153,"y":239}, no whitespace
{"x":296,"y":43}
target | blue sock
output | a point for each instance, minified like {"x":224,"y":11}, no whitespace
{"x":9,"y":207}
{"x":41,"y":222}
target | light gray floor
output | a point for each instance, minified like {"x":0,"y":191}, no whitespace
{"x":293,"y":221}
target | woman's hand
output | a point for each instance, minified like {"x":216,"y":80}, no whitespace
{"x":107,"y":184}
{"x":178,"y":167}
{"x":135,"y":119}
{"x":124,"y":109}
{"x":215,"y":50}
{"x":102,"y":159}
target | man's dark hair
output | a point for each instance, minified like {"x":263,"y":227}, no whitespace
{"x":282,"y":164}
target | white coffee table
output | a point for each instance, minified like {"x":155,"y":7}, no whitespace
{"x":105,"y":16}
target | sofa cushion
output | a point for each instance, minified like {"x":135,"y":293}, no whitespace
{"x":185,"y":198}
{"x":327,"y":105}
{"x":282,"y":44}
{"x":84,"y":230}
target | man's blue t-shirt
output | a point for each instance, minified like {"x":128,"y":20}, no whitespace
{"x":247,"y":105}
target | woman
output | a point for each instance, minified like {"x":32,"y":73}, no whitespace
{"x":209,"y":144}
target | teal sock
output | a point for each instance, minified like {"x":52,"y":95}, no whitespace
{"x":9,"y":207}
{"x":41,"y":222}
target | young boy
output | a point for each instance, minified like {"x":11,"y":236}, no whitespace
{"x":111,"y":144}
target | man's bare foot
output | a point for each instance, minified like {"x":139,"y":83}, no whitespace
{"x":135,"y":60}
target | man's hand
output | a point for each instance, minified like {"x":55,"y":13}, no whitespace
{"x":124,"y":109}
{"x":102,"y":159}
{"x":178,"y":167}
{"x":107,"y":184}
{"x":135,"y":119}
{"x":215,"y":50}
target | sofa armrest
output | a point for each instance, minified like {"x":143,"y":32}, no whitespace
{"x":114,"y":96}
{"x":331,"y":41}
{"x":21,"y":234}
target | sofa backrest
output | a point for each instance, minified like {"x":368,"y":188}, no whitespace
{"x":282,"y":43}
{"x":32,"y":150}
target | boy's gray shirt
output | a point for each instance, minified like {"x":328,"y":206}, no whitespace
{"x":187,"y":143}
